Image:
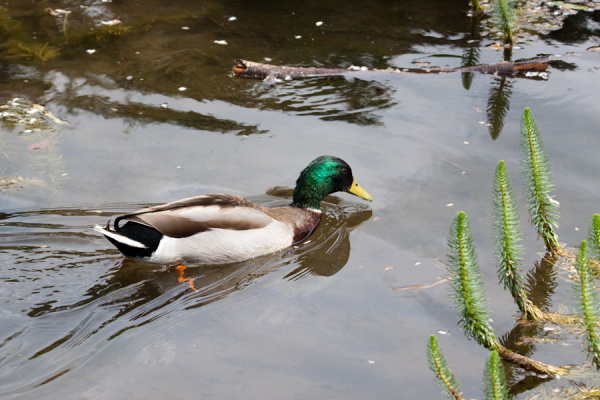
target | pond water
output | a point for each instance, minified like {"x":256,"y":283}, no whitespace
{"x":146,"y":111}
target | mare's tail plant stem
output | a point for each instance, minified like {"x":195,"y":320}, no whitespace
{"x":494,"y":379}
{"x":437,"y":363}
{"x":594,"y":236}
{"x":466,"y":281}
{"x":543,"y":209}
{"x":504,"y":12}
{"x":507,"y":232}
{"x":587,"y":303}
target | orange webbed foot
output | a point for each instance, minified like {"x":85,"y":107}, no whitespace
{"x":180,"y":269}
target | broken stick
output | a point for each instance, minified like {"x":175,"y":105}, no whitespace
{"x":256,"y":70}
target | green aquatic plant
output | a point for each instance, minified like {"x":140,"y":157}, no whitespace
{"x":594,"y":236}
{"x":467,"y":284}
{"x":587,"y":304}
{"x":494,"y":378}
{"x":543,"y":209}
{"x":468,"y":295}
{"x":503,"y":9}
{"x":30,"y":52}
{"x":445,"y":377}
{"x":508,"y":251}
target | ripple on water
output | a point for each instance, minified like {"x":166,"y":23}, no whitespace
{"x":66,"y":295}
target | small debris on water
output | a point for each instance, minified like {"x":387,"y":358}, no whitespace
{"x":449,"y":204}
{"x":40,"y":145}
{"x":298,"y":36}
{"x":371,"y":362}
{"x":288,"y":78}
{"x":232,"y":18}
{"x":441,"y":332}
{"x":466,"y":142}
{"x":268,"y":59}
{"x":221,"y":42}
{"x":185,"y":28}
{"x":417,"y":263}
{"x":319,"y":23}
{"x":90,"y":51}
{"x":164,"y":105}
{"x":129,"y":78}
{"x":111,"y":22}
{"x":182,"y":89}
{"x":388,"y":268}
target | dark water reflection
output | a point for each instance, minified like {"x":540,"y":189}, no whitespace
{"x":60,"y":313}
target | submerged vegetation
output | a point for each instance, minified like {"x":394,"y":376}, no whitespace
{"x":468,"y":289}
{"x":30,"y":52}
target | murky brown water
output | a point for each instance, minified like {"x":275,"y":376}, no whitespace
{"x":319,"y":321}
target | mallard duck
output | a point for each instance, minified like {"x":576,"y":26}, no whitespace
{"x":222,"y":228}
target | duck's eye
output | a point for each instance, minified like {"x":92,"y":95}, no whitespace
{"x":344,"y":171}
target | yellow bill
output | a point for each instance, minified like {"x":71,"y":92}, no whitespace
{"x":358,"y":191}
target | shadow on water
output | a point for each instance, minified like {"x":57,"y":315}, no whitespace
{"x":63,"y":304}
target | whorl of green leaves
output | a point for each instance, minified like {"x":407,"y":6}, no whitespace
{"x":504,"y":13}
{"x":543,"y":209}
{"x":494,"y":378}
{"x":467,"y":284}
{"x":594,"y":236}
{"x":437,"y":363}
{"x":507,"y":232}
{"x":587,"y":304}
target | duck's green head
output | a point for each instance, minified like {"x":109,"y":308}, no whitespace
{"x":323,"y":176}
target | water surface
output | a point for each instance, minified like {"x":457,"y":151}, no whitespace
{"x":154,"y":115}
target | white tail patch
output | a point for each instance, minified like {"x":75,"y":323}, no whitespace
{"x":119,"y":238}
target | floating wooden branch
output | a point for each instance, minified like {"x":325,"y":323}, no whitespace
{"x":256,"y":70}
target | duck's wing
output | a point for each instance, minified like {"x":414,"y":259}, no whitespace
{"x":187,"y":217}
